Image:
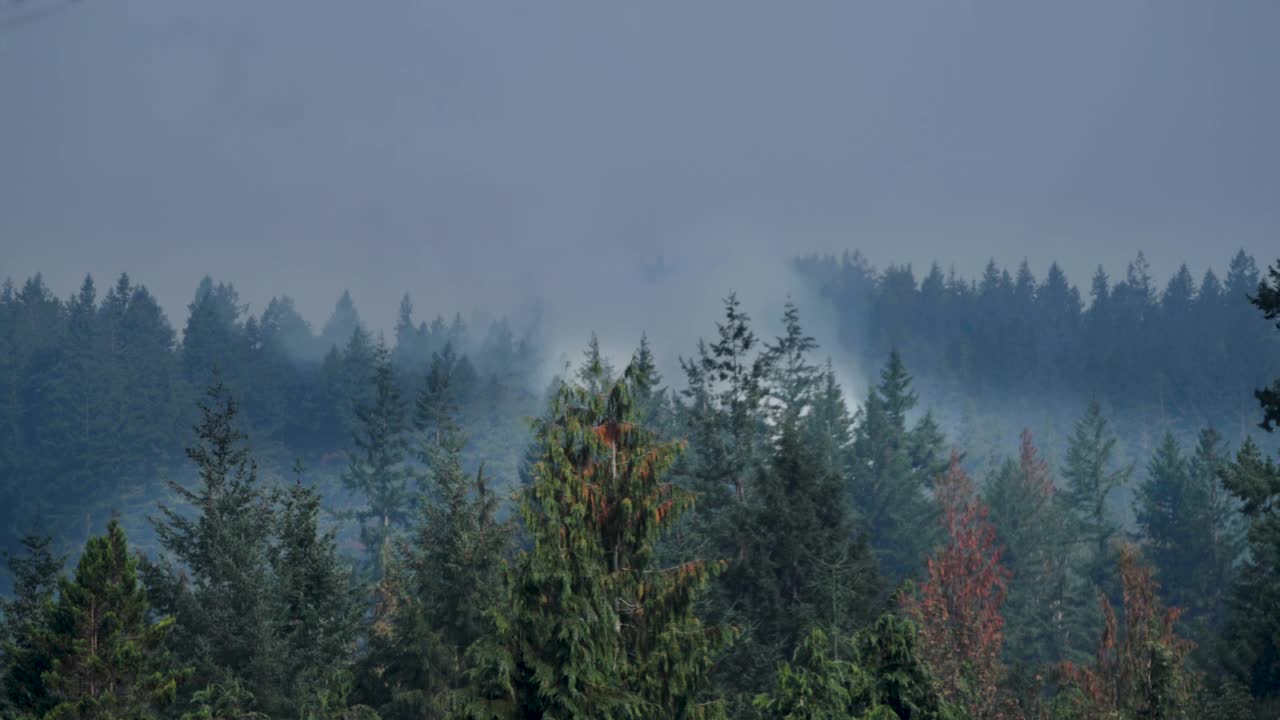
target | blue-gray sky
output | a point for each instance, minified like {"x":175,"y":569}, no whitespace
{"x":478,"y":152}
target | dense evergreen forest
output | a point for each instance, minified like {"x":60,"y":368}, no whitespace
{"x":249,"y":519}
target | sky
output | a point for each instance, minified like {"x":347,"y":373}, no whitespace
{"x":540,"y":155}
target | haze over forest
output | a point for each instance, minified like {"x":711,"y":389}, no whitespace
{"x":413,"y":250}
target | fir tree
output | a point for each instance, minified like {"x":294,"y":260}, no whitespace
{"x":1029,"y":525}
{"x":1092,"y":475}
{"x":216,"y":580}
{"x":318,"y":611}
{"x":109,"y":662}
{"x":377,"y":467}
{"x":893,"y":467}
{"x":432,"y":605}
{"x":877,"y":674}
{"x":1192,"y":535}
{"x":590,"y":626}
{"x":26,"y":656}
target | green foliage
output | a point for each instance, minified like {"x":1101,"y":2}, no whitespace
{"x":26,"y":654}
{"x":1092,"y":475}
{"x":260,"y":601}
{"x":1193,"y":535}
{"x":590,"y":625}
{"x":431,"y":606}
{"x":893,"y":467}
{"x":1031,"y":528}
{"x":109,"y":661}
{"x":377,"y":469}
{"x":874,"y":675}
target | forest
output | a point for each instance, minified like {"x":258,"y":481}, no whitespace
{"x":1046,"y":504}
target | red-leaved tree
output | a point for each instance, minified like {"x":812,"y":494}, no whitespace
{"x":1140,"y":669}
{"x":958,"y":605}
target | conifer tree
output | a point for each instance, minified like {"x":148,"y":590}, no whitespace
{"x":877,"y":674}
{"x":590,"y":626}
{"x":1192,"y":536}
{"x":1267,"y":299}
{"x":377,"y":468}
{"x":109,"y":661}
{"x":1140,"y":669}
{"x":319,"y":613}
{"x":800,"y":563}
{"x":26,"y":656}
{"x":432,"y":605}
{"x":1029,"y":525}
{"x":958,"y":604}
{"x":216,"y":576}
{"x":1092,"y":475}
{"x":893,"y":467}
{"x":1252,"y":649}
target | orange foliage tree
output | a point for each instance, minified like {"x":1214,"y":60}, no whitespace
{"x":1139,"y":670}
{"x":958,"y":605}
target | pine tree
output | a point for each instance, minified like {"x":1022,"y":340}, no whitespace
{"x":109,"y":662}
{"x":1252,"y":648}
{"x":590,"y":626}
{"x":216,"y":577}
{"x":799,"y":562}
{"x":893,"y":467}
{"x":1267,"y":299}
{"x":1029,"y":525}
{"x":1192,"y":535}
{"x":26,"y":657}
{"x":432,"y":605}
{"x":878,"y":674}
{"x":317,"y":609}
{"x":1091,"y":477}
{"x":377,"y":467}
{"x":958,"y":604}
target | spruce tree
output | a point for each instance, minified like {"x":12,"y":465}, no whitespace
{"x":26,"y":656}
{"x":800,"y":564}
{"x":377,"y":469}
{"x":1193,"y":540}
{"x":877,"y":674}
{"x":1092,"y":475}
{"x":432,"y":606}
{"x":1030,"y":527}
{"x":590,"y":626}
{"x":1267,"y":299}
{"x":216,"y":578}
{"x":893,"y":467}
{"x":109,"y":661}
{"x":318,"y":611}
{"x":1252,"y":648}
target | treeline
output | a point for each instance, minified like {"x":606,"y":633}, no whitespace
{"x":1179,"y":355}
{"x":740,"y":546}
{"x":97,"y":393}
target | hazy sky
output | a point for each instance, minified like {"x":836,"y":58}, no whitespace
{"x":478,"y":152}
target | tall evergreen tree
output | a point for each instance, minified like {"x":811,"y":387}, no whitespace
{"x":26,"y":655}
{"x":893,"y":467}
{"x":877,"y":674}
{"x":216,"y":576}
{"x":590,"y":626}
{"x":377,"y":468}
{"x":1193,"y":538}
{"x":1029,"y":525}
{"x":109,"y":661}
{"x":317,"y":609}
{"x":1092,"y":475}
{"x":432,"y":608}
